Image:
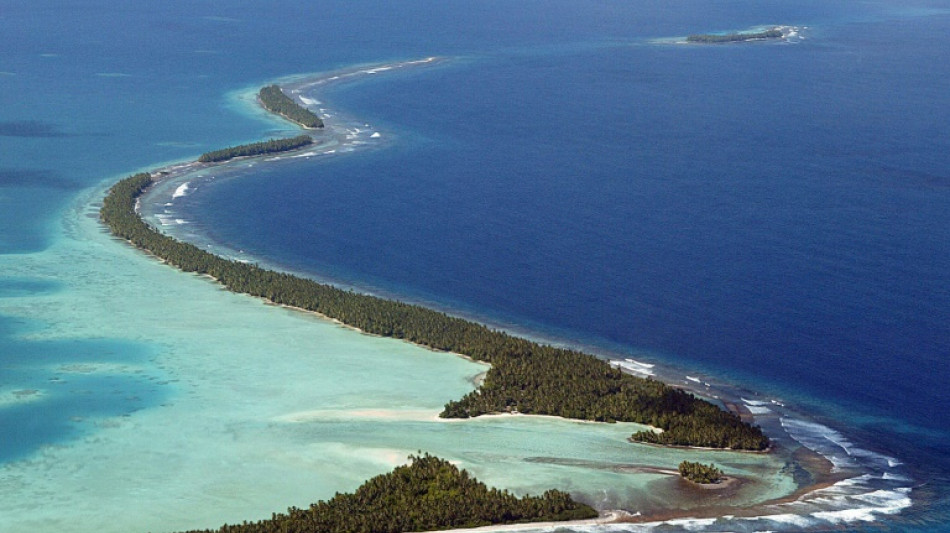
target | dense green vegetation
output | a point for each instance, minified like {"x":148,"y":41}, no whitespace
{"x":428,"y":494}
{"x":700,"y":473}
{"x":525,"y":376}
{"x":733,"y":37}
{"x":258,"y":148}
{"x":275,"y":101}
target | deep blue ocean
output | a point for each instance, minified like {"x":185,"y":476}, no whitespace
{"x":776,"y":215}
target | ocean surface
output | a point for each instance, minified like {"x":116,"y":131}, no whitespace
{"x":772,"y":218}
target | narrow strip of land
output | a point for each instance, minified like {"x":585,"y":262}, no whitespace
{"x":274,"y":100}
{"x":737,"y":37}
{"x":525,"y":376}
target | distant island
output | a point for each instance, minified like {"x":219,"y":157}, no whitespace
{"x":427,"y":494}
{"x":274,"y":100}
{"x":712,"y":38}
{"x":258,"y":148}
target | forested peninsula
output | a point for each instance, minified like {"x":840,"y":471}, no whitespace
{"x":258,"y":148}
{"x":274,"y":100}
{"x":525,"y":376}
{"x":713,"y":38}
{"x":425,"y":495}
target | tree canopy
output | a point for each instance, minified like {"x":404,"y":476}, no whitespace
{"x":274,"y":100}
{"x":258,"y":148}
{"x":733,"y":37}
{"x":700,"y":473}
{"x":427,"y":494}
{"x":525,"y":376}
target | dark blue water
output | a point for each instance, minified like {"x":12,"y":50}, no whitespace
{"x":780,"y":210}
{"x":775,"y":215}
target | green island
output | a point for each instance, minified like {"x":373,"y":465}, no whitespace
{"x":258,"y":148}
{"x":700,"y":473}
{"x":425,"y":495}
{"x":525,"y":376}
{"x":734,"y":37}
{"x":274,"y":100}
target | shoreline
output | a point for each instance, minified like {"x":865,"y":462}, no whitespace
{"x":607,"y":517}
{"x":178,"y":170}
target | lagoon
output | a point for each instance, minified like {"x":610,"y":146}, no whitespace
{"x":152,"y":403}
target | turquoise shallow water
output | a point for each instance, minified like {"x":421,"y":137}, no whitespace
{"x":136,"y":398}
{"x":234,"y":390}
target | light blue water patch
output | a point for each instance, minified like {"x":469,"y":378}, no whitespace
{"x":772,"y":214}
{"x":54,"y":391}
{"x":14,"y":287}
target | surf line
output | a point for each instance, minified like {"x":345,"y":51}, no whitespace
{"x":597,"y":392}
{"x":121,"y":213}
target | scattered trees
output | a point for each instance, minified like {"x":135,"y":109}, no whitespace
{"x":700,"y":473}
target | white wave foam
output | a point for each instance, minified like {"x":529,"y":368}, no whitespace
{"x":883,"y":502}
{"x":634,"y":361}
{"x":692,"y":524}
{"x":378,"y":69}
{"x":887,"y":499}
{"x":846,"y":516}
{"x":756,"y":407}
{"x":754,"y":402}
{"x":854,"y":500}
{"x":822,"y":440}
{"x":844,"y":487}
{"x":634,"y":366}
{"x":309,"y":101}
{"x":182,"y":190}
{"x":784,"y":519}
{"x":180,"y":221}
{"x":895,"y":477}
{"x":375,"y":135}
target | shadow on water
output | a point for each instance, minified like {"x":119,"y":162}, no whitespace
{"x":56,"y":390}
